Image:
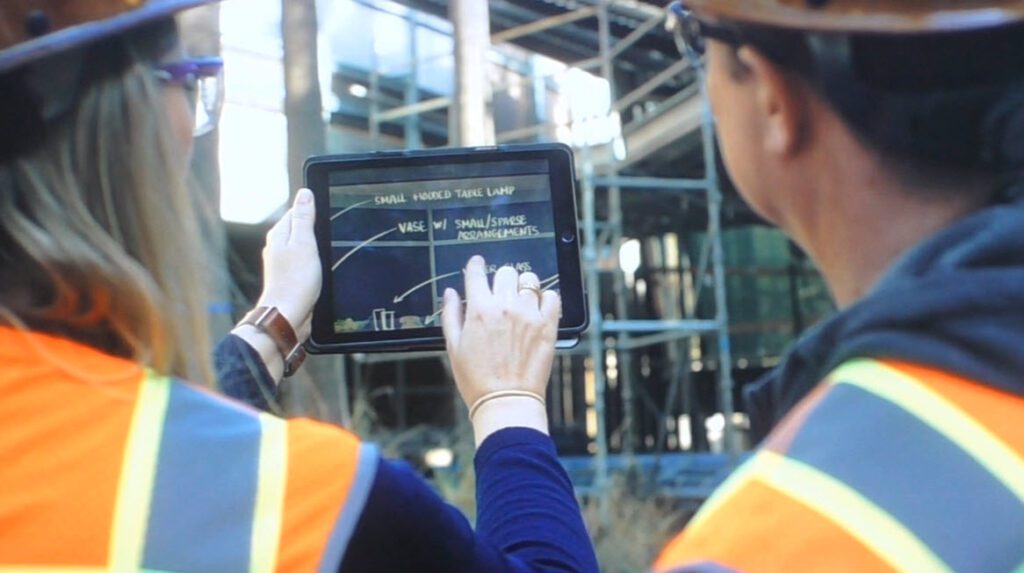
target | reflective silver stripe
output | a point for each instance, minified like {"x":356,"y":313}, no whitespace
{"x":366,"y":471}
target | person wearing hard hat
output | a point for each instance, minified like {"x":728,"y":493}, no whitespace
{"x":886,"y":138}
{"x":110,"y":461}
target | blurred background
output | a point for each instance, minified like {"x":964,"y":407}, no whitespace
{"x":691,"y":295}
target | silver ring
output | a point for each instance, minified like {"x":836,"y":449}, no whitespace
{"x":534,"y":288}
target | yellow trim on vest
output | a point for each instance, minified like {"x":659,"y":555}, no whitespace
{"x":138,"y":472}
{"x":940,"y":414}
{"x":858,"y":516}
{"x":273,"y":472}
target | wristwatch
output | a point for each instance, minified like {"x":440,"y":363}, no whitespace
{"x":274,"y":324}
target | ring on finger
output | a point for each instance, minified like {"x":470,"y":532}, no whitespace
{"x":532,"y":287}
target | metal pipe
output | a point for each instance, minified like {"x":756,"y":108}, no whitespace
{"x":374,"y":119}
{"x":519,"y":133}
{"x":650,"y":85}
{"x":622,"y":313}
{"x":623,"y":44}
{"x":615,"y":228}
{"x":395,"y":357}
{"x":543,"y":24}
{"x":413,"y":136}
{"x":685,"y":326}
{"x":652,"y":183}
{"x":638,"y":342}
{"x":595,"y":340}
{"x":725,"y":384}
{"x":344,"y":402}
{"x":472,"y":22}
{"x":414,"y":109}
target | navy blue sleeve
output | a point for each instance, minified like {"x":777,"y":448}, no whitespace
{"x":526,"y":505}
{"x":528,"y":520}
{"x":242,"y":375}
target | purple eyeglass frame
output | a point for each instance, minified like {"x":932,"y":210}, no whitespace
{"x":190,"y":69}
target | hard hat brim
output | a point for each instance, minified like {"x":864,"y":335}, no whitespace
{"x":83,"y":34}
{"x":923,"y":18}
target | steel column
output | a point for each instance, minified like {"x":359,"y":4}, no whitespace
{"x":472,"y":22}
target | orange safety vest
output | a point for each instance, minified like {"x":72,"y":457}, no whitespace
{"x":105,"y":466}
{"x":886,"y":466}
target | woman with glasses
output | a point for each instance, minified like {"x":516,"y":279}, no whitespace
{"x":110,"y":462}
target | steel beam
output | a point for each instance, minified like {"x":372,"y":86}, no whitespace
{"x":651,"y":183}
{"x":544,"y":24}
{"x":682,"y":326}
{"x":623,"y":44}
{"x":395,"y":357}
{"x":595,"y":337}
{"x":414,"y":109}
{"x":650,"y":85}
{"x":725,"y":382}
{"x":529,"y":131}
{"x":472,"y":22}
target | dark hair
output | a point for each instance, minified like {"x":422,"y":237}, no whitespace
{"x":939,"y":107}
{"x":36,"y":96}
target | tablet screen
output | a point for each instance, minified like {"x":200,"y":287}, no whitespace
{"x":398,"y":240}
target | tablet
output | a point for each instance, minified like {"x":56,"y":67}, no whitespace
{"x":395,"y":229}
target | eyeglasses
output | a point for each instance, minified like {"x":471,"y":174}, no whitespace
{"x":203,"y":80}
{"x":692,"y":33}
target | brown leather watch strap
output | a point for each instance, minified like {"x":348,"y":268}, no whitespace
{"x":269,"y":320}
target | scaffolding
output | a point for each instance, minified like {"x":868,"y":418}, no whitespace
{"x":599,"y":172}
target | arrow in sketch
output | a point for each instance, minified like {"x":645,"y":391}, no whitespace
{"x":399,"y":299}
{"x":546,"y":284}
{"x":364,"y":243}
{"x":343,"y":211}
{"x":433,"y":317}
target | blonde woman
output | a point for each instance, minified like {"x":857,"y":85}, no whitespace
{"x":110,"y":460}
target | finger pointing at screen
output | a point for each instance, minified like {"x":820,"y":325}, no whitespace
{"x":501,"y":349}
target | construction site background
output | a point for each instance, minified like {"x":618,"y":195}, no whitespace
{"x":691,"y":296}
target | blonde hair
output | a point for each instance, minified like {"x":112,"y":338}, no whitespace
{"x":100,"y":236}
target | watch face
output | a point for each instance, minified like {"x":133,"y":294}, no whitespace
{"x":294,"y":361}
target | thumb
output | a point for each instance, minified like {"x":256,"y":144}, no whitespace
{"x":303,"y":216}
{"x":451,"y":319}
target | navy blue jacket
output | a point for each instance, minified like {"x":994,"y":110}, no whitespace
{"x":955,"y":302}
{"x":528,"y":518}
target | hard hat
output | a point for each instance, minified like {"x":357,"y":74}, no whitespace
{"x":34,"y":29}
{"x":866,"y":16}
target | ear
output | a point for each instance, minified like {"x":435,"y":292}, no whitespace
{"x":781,"y":102}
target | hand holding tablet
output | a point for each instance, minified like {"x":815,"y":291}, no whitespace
{"x":395,"y":231}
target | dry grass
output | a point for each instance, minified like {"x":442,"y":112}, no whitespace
{"x":638,"y":525}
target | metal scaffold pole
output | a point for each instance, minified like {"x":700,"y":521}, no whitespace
{"x":595,"y":337}
{"x":725,"y":382}
{"x":472,"y":23}
{"x":601,"y":169}
{"x":625,"y":366}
